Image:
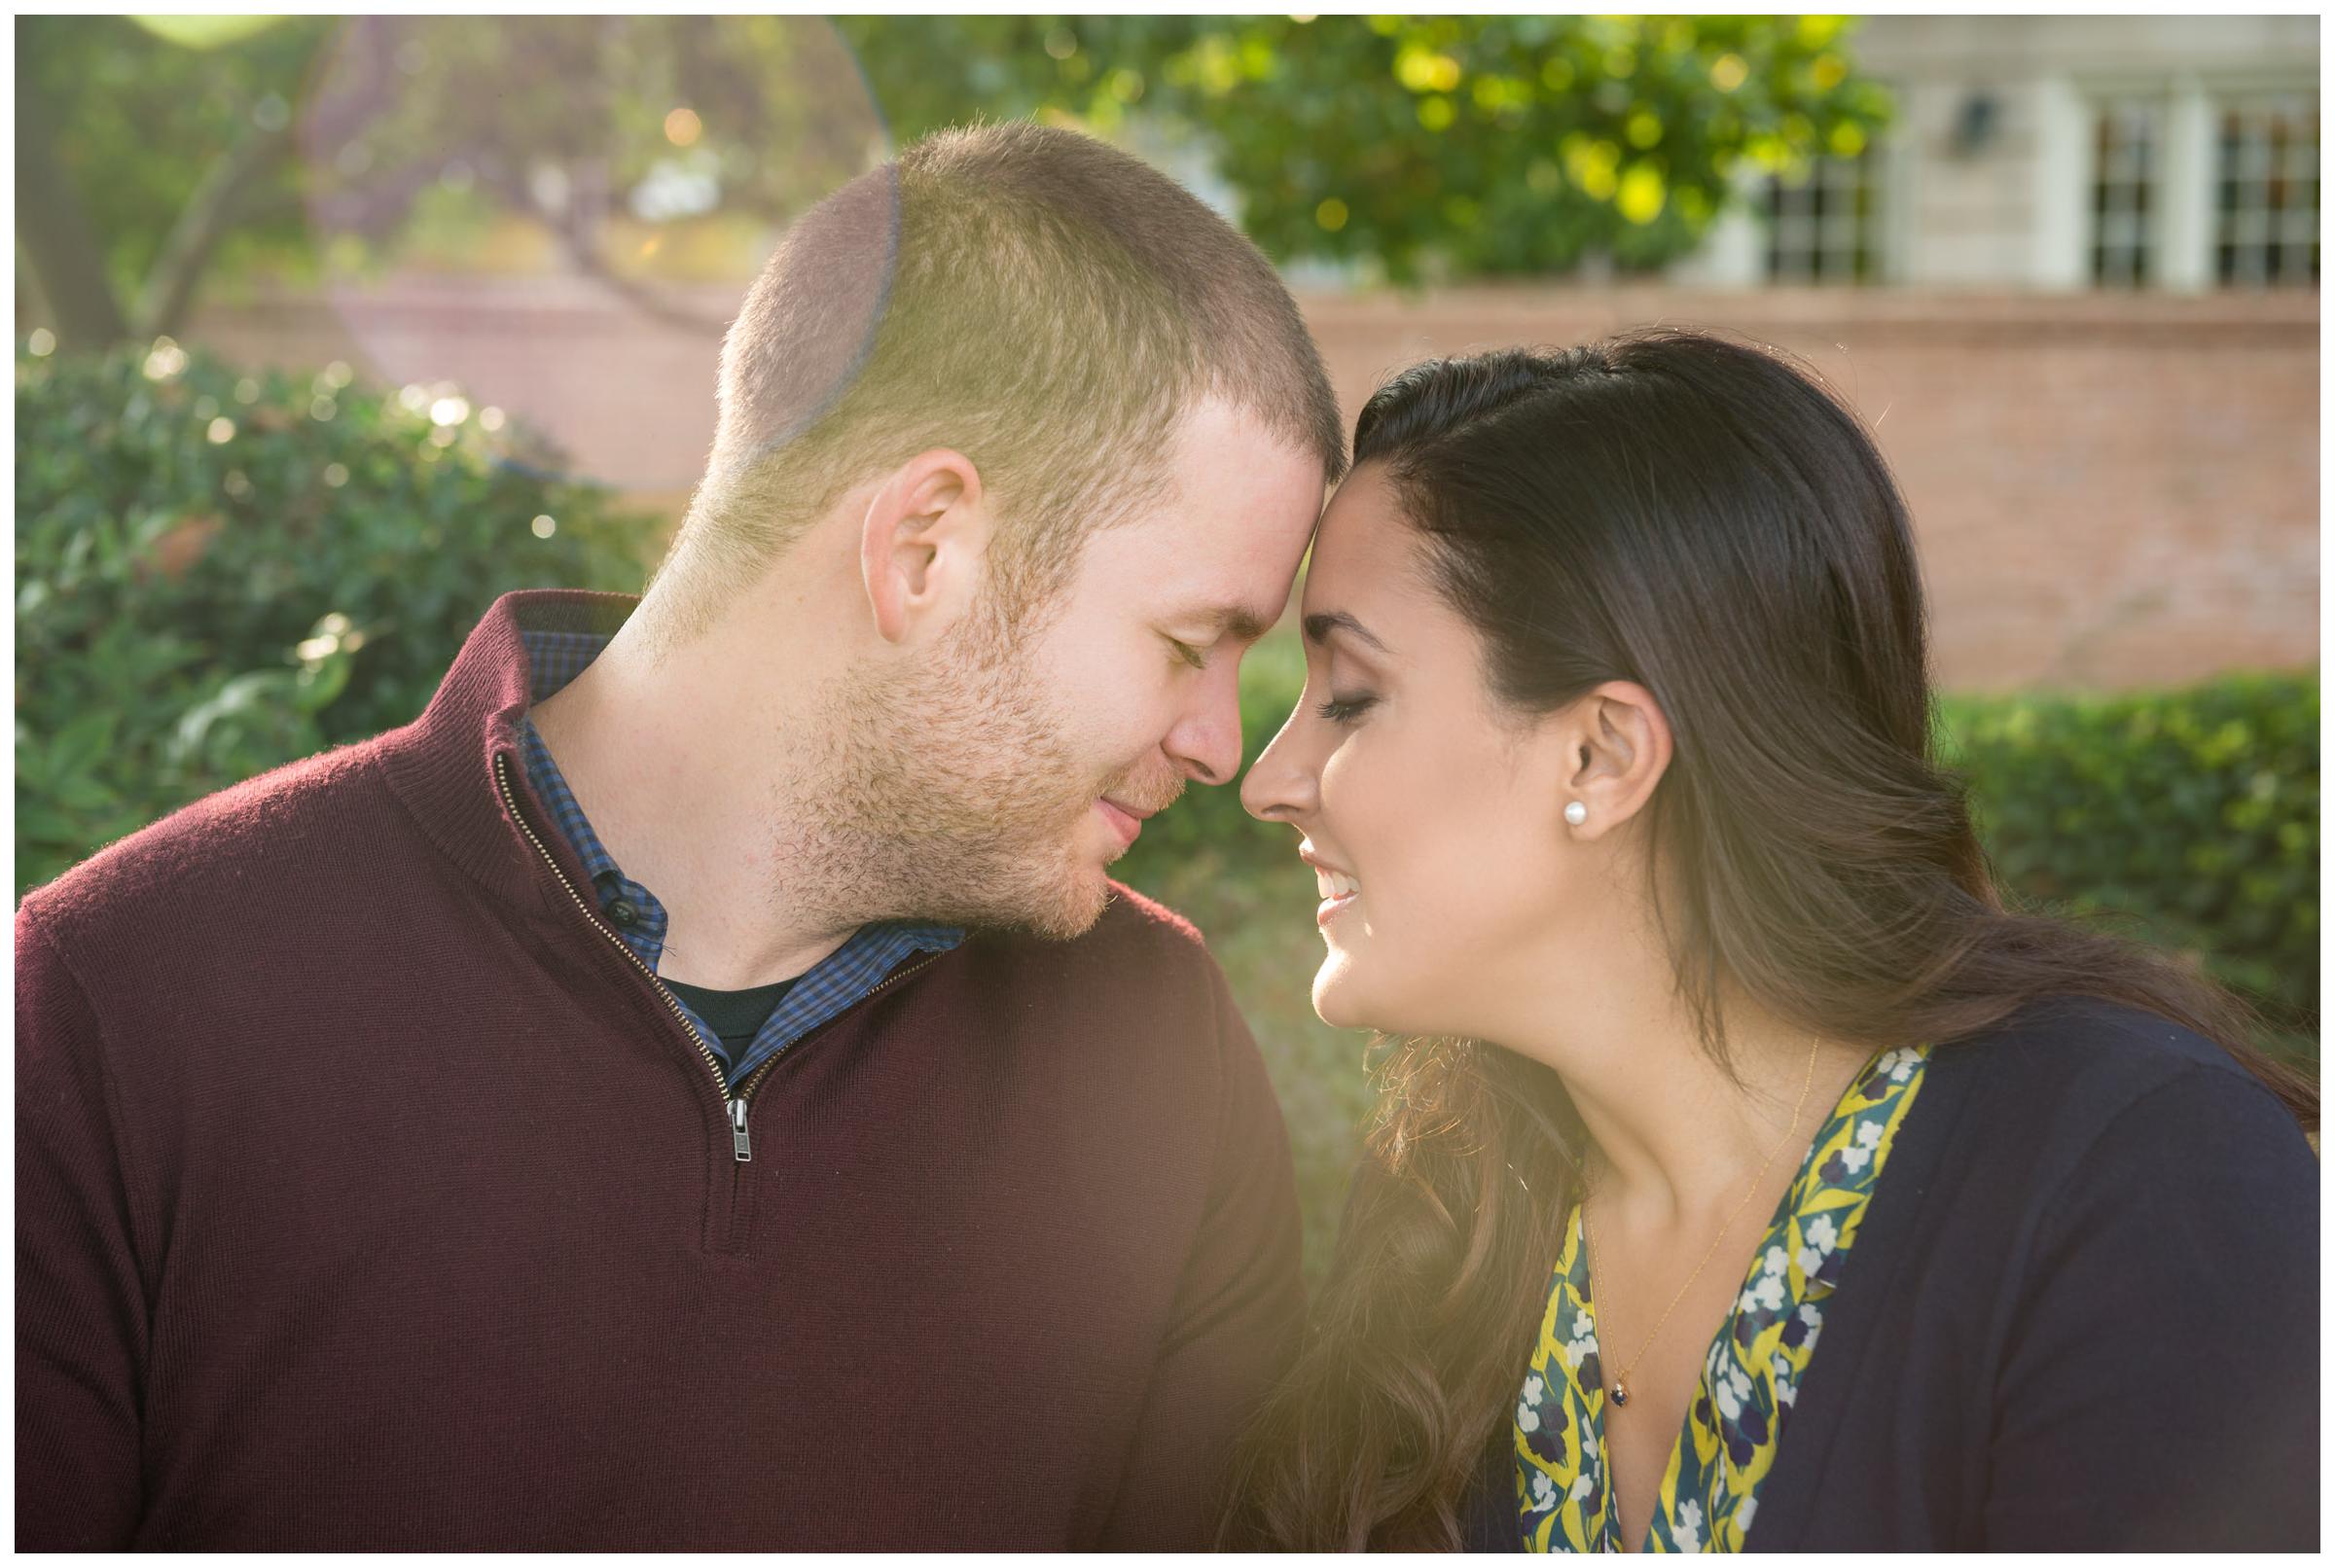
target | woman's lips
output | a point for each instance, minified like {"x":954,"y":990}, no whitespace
{"x":1338,"y":887}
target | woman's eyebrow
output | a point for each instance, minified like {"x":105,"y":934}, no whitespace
{"x":1320,"y":624}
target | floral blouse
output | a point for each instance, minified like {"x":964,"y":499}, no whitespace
{"x":1710,"y":1488}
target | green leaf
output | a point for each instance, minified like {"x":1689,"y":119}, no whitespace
{"x":205,"y":32}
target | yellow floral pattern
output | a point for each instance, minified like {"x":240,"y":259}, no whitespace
{"x":1751,"y":1375}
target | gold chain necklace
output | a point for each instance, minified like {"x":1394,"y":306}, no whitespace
{"x":1621,"y":1380}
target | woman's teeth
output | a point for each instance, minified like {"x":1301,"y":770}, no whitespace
{"x":1335,"y":884}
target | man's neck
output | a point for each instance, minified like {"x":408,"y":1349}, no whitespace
{"x":657,"y":764}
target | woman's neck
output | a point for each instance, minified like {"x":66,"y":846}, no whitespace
{"x":1674,"y":1136}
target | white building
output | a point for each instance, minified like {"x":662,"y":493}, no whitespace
{"x":2174,"y":153}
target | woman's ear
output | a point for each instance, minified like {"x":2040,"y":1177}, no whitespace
{"x":1619,"y":748}
{"x":921,"y":541}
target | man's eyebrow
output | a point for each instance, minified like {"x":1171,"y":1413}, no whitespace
{"x":1236,"y":621}
{"x":1321,"y":624}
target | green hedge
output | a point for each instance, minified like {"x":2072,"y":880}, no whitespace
{"x":2192,"y":815}
{"x":219,"y":571}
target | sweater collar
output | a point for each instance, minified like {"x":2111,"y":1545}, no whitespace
{"x":442,"y":765}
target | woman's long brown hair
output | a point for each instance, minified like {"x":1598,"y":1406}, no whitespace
{"x":1696,"y":515}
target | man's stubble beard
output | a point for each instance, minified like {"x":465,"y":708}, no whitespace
{"x":945,"y":794}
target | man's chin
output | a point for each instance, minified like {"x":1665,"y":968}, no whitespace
{"x":1063,"y":908}
{"x":1075,"y":913}
{"x":1078,"y":895}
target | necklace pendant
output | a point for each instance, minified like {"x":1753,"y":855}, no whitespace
{"x":1621,"y":1393}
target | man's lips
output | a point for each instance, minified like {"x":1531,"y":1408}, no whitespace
{"x":1126,"y":821}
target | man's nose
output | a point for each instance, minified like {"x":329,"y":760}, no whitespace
{"x":1206,"y":742}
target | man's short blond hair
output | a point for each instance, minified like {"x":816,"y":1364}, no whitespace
{"x":1027,"y":295}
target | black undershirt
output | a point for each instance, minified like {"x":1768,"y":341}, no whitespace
{"x":736,"y":1016}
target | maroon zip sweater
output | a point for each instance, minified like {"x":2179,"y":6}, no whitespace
{"x":370,"y":1194}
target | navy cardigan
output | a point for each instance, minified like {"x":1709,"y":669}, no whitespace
{"x":2082,"y":1313}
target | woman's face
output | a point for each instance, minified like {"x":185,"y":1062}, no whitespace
{"x":1433,"y":821}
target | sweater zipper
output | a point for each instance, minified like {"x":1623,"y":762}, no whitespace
{"x":741,"y":1141}
{"x":738,"y":1117}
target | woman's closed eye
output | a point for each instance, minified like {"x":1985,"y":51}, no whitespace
{"x":1346,"y":709}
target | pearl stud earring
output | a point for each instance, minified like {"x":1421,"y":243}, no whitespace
{"x":1576,"y":813}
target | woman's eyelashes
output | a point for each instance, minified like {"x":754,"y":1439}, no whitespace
{"x":1346,"y":709}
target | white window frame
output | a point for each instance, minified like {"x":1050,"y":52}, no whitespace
{"x":2185,"y":217}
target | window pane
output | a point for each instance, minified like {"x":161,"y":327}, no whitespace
{"x":2266,"y":200}
{"x":1822,"y":225}
{"x":2125,"y":140}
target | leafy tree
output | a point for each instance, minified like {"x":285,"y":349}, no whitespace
{"x":1424,"y":148}
{"x":145,"y":158}
{"x":1434,"y":147}
{"x":407,"y":126}
{"x":432,"y":125}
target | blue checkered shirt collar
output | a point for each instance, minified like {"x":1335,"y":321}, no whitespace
{"x":829,"y":986}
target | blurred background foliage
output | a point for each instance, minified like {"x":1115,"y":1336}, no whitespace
{"x":218,"y":572}
{"x":1425,"y":148}
{"x":2189,"y":818}
{"x":158,"y":154}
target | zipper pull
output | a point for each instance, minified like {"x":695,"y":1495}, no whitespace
{"x":740,"y":1143}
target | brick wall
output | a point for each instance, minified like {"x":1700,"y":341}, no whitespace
{"x":2110,"y":490}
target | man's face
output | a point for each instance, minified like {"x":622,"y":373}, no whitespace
{"x":993,"y":786}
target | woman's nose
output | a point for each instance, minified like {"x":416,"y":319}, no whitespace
{"x":1278,"y":786}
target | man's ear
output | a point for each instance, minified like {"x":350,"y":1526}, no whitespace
{"x":921,"y":541}
{"x":1618,"y":744}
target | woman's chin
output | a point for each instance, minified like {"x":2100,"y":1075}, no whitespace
{"x":1339,"y":1000}
{"x":1347,"y":995}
